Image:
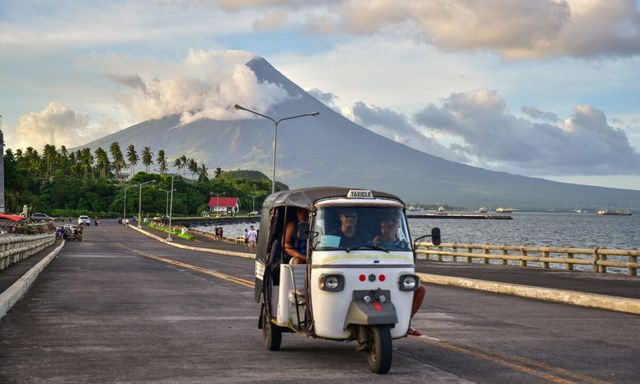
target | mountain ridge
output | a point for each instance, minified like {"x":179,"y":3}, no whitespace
{"x":332,"y":150}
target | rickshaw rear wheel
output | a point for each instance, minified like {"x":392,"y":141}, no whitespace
{"x":271,"y":333}
{"x":380,"y":350}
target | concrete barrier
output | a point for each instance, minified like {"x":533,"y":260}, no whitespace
{"x":12,"y":294}
{"x":14,"y":248}
{"x":591,"y":300}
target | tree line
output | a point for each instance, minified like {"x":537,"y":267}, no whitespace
{"x":62,"y":182}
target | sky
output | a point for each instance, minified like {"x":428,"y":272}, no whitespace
{"x":542,"y":88}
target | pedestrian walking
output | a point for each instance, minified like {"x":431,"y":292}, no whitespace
{"x":252,"y":236}
{"x":246,"y":237}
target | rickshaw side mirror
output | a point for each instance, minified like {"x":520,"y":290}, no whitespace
{"x":435,"y":236}
{"x":303,"y":231}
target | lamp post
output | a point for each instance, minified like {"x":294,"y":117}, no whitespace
{"x":140,"y":201}
{"x":173,"y":175}
{"x":253,"y":202}
{"x":275,"y":134}
{"x":124,"y":206}
{"x":217,"y":201}
{"x":166,"y":206}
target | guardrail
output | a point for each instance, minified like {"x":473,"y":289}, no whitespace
{"x":599,"y":260}
{"x":14,"y":248}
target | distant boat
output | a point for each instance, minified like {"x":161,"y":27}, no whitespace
{"x":412,"y":208}
{"x":613,"y":212}
{"x":504,"y":210}
{"x":482,"y":209}
{"x":441,"y":209}
{"x":580,"y":210}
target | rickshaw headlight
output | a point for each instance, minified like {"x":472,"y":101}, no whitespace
{"x":332,"y":283}
{"x":409,"y":282}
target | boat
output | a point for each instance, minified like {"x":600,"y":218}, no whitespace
{"x":580,"y":210}
{"x":482,"y":210}
{"x":441,"y":209}
{"x":613,"y":212}
{"x":504,"y":210}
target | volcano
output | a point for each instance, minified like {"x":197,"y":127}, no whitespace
{"x":332,"y":150}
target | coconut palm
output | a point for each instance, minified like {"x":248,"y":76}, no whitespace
{"x":218,"y":172}
{"x":193,"y":167}
{"x":102,"y":160}
{"x":50,"y":155}
{"x":147,"y":158}
{"x":118,"y":158}
{"x":162,"y":161}
{"x":203,"y":173}
{"x":185,"y":163}
{"x":133,"y":158}
{"x":178,"y":164}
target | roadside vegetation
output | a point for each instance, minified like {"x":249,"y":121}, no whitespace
{"x":67,"y":183}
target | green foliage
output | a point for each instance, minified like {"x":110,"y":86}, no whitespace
{"x":62,"y":183}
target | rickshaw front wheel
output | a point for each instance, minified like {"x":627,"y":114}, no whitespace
{"x":271,"y":333}
{"x":380,"y":350}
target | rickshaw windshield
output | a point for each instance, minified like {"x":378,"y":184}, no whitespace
{"x":361,"y":227}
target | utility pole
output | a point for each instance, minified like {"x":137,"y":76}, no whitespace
{"x":1,"y":168}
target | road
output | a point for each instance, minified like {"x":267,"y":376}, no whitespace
{"x":116,"y":308}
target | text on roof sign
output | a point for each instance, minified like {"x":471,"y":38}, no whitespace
{"x":359,"y":194}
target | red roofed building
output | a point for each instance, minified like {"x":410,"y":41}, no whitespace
{"x":224,"y":204}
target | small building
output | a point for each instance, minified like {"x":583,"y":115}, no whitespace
{"x":224,"y":205}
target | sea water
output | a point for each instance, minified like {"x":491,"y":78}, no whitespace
{"x":576,"y":230}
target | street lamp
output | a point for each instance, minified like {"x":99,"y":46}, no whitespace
{"x":170,"y":204}
{"x":140,"y":201}
{"x":253,"y":202}
{"x":217,"y":201}
{"x":166,"y":206}
{"x":124,"y":206}
{"x":275,"y":134}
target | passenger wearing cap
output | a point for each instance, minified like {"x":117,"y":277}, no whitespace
{"x":350,"y":236}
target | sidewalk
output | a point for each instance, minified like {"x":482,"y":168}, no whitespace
{"x":15,"y":271}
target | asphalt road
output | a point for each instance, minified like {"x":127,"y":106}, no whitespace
{"x":113,"y":309}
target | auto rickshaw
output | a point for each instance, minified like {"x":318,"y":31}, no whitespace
{"x":348,"y":290}
{"x":72,"y":232}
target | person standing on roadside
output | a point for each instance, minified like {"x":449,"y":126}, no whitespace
{"x":252,"y":236}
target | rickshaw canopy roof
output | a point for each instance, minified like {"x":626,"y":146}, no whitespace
{"x":307,"y":197}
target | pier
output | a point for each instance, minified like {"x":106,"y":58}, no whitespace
{"x":125,"y":306}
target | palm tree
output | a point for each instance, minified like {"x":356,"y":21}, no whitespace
{"x":162,"y":161}
{"x":147,"y":158}
{"x":178,"y":164}
{"x":63,"y":162}
{"x":49,"y":155}
{"x":118,"y":158}
{"x":193,"y":167}
{"x":218,"y":172}
{"x":202,"y":173}
{"x":132,"y":157}
{"x":103,"y":161}
{"x":86,"y":161}
{"x":185,"y":163}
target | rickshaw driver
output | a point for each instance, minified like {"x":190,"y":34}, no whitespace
{"x":348,"y":231}
{"x":388,"y":238}
{"x":294,"y":247}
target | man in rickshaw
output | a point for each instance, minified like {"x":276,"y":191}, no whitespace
{"x":296,"y":248}
{"x":388,"y":239}
{"x":350,"y":235}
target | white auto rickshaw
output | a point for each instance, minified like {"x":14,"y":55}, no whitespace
{"x":351,"y":288}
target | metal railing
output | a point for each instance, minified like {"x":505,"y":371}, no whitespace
{"x":600,"y":260}
{"x":14,"y":248}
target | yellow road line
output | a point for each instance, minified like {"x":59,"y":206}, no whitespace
{"x":490,"y":356}
{"x":220,"y":275}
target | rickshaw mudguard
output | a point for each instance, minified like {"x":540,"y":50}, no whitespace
{"x":378,"y":311}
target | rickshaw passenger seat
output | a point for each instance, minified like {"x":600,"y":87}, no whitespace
{"x":299,"y":278}
{"x":276,"y":251}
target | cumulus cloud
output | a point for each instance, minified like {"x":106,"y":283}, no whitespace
{"x":582,"y":144}
{"x":55,"y":125}
{"x":513,"y":28}
{"x":206,"y":84}
{"x":395,"y":126}
{"x":537,"y":114}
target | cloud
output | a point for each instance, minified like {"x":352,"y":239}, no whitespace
{"x":537,"y":114}
{"x":55,"y":125}
{"x":206,"y":84}
{"x":395,"y":126}
{"x":514,"y":29}
{"x":583,"y":144}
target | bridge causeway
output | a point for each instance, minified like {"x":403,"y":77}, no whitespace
{"x":112,"y":309}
